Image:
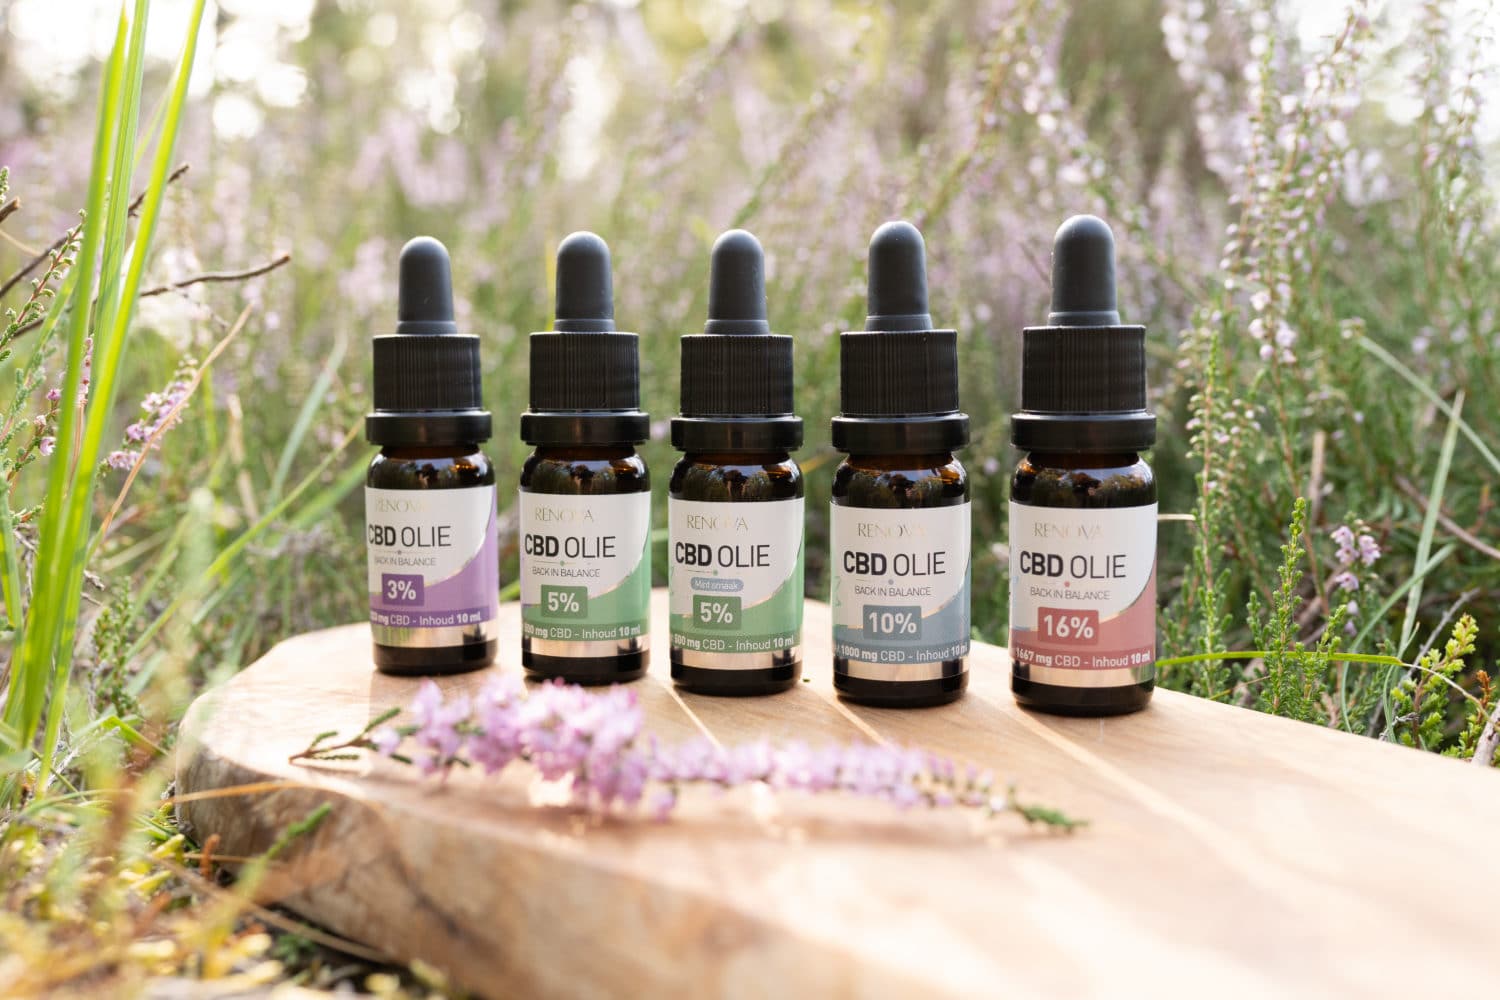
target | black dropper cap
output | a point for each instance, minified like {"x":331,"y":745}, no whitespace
{"x":1083,"y":375}
{"x":898,"y":377}
{"x":585,"y":374}
{"x":426,"y":374}
{"x":737,"y":374}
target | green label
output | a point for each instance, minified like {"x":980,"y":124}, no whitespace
{"x":736,"y":575}
{"x":717,"y":612}
{"x":565,"y":602}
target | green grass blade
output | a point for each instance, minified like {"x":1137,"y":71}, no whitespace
{"x":231,"y":552}
{"x":108,"y":352}
{"x":1419,"y":573}
{"x":10,"y":569}
{"x":1429,"y":523}
{"x":325,"y":500}
{"x":306,"y":415}
{"x":31,"y":666}
{"x":122,"y":172}
{"x":1430,"y":394}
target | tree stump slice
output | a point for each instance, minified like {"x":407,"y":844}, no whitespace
{"x":1229,"y":853}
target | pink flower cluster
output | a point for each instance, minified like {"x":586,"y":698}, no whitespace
{"x":156,"y":413}
{"x":595,"y":742}
{"x":1352,"y":548}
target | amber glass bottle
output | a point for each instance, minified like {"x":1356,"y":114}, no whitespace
{"x":736,"y":497}
{"x":1082,"y":501}
{"x":585,"y":495}
{"x":900,"y":518}
{"x":430,"y":512}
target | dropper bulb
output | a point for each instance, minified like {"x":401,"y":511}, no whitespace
{"x":585,"y":291}
{"x":1083,"y":274}
{"x":897,"y":292}
{"x":737,"y":286}
{"x":425,"y":297}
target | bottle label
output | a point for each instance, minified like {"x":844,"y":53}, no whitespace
{"x":900,"y":591}
{"x":585,"y":566}
{"x":1083,"y":594}
{"x":736,"y":580}
{"x":434,"y":562}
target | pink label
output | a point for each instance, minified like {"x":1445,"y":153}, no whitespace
{"x":1083,"y":588}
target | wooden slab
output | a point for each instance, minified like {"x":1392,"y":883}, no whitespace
{"x":1230,"y":853}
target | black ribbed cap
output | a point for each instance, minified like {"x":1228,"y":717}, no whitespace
{"x":585,"y":374}
{"x":426,"y":374}
{"x":1083,"y":376}
{"x":898,"y":378}
{"x":736,"y":375}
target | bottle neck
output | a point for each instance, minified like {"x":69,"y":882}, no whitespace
{"x":575,"y":452}
{"x":902,"y":460}
{"x":1082,"y":459}
{"x":770,"y":457}
{"x":430,"y":450}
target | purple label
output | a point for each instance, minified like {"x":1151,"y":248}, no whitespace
{"x":401,"y":588}
{"x":448,"y":576}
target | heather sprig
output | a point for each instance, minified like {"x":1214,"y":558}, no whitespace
{"x":158,"y":412}
{"x":1418,"y":713}
{"x":596,"y":743}
{"x":1290,"y":687}
{"x":1355,"y":577}
{"x":41,"y":439}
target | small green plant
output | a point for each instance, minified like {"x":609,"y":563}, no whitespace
{"x":1419,"y":704}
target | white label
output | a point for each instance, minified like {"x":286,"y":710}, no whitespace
{"x":900,"y":583}
{"x":1083,"y":587}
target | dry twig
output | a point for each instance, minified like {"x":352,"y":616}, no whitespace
{"x":42,"y":257}
{"x":1454,"y":528}
{"x":213,"y":276}
{"x":1489,"y":740}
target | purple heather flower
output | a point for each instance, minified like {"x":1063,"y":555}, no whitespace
{"x":1369,"y":550}
{"x":1343,"y":537}
{"x":498,"y":741}
{"x":121,"y":459}
{"x":46,"y":446}
{"x":1346,"y":581}
{"x":156,"y":412}
{"x":596,"y":742}
{"x":438,"y":724}
{"x":53,"y":395}
{"x":663,"y":802}
{"x":385,"y":740}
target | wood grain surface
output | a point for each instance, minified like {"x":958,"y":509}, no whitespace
{"x":1229,"y":853}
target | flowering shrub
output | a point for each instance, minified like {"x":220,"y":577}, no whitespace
{"x":596,"y":744}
